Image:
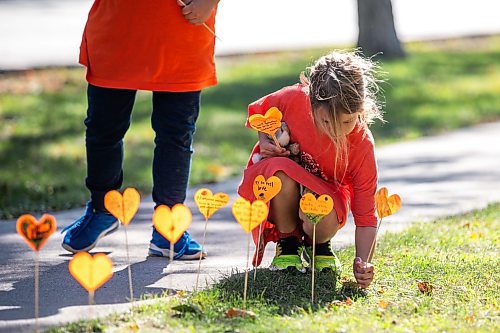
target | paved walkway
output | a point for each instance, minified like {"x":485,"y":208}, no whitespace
{"x":435,"y":176}
{"x":48,"y":32}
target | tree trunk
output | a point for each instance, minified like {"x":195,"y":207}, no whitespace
{"x":377,"y":33}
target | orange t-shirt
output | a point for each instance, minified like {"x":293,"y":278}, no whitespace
{"x":147,"y":45}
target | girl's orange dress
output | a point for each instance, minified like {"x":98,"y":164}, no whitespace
{"x":352,"y":185}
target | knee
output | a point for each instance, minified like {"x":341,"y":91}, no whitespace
{"x":287,"y":183}
{"x":325,"y":229}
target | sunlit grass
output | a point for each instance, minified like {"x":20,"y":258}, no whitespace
{"x":455,"y":257}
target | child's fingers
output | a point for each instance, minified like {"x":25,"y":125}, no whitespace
{"x":365,"y":268}
{"x":363,"y":276}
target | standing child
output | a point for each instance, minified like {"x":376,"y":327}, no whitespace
{"x":327,"y":117}
{"x":131,"y":45}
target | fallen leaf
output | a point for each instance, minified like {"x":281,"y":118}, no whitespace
{"x":133,"y":326}
{"x":476,"y":234}
{"x":466,"y":225}
{"x":470,"y":318}
{"x":235,"y":312}
{"x":348,"y":301}
{"x":382,"y":304}
{"x":425,"y":287}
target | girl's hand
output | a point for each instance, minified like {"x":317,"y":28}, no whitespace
{"x":197,"y":11}
{"x":363,"y":272}
{"x":269,"y":149}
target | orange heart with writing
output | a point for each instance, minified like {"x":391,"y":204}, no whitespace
{"x":209,"y":203}
{"x":249,"y":215}
{"x":91,"y":271}
{"x":268,"y":123}
{"x":386,"y":205}
{"x":36,"y":233}
{"x":264,"y":189}
{"x":123,"y":207}
{"x":172,"y":223}
{"x":319,"y":207}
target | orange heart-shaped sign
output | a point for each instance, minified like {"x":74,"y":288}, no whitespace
{"x":123,"y":207}
{"x":386,"y":205}
{"x":264,"y":189}
{"x":249,"y":215}
{"x":91,"y":271}
{"x":268,"y":123}
{"x":172,"y":223}
{"x":209,"y":203}
{"x":318,"y":208}
{"x":36,"y":233}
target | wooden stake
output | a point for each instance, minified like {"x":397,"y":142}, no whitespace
{"x":276,"y":142}
{"x":314,"y":255}
{"x":91,"y":298}
{"x":129,"y":266}
{"x":37,"y":289}
{"x":373,"y":243}
{"x":201,"y":253}
{"x":170,"y":263}
{"x":246,"y":273}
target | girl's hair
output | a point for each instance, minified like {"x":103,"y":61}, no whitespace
{"x":338,"y":82}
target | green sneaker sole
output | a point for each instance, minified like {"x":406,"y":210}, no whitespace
{"x":285,"y":262}
{"x":323,"y":263}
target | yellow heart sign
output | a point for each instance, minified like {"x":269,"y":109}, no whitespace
{"x":249,"y":215}
{"x":91,"y":271}
{"x":123,"y":207}
{"x":209,"y":203}
{"x":314,"y":208}
{"x":36,"y":233}
{"x":266,"y":189}
{"x":268,"y":123}
{"x":172,"y":223}
{"x":386,"y":205}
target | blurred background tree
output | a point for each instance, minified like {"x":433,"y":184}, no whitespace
{"x":377,"y":33}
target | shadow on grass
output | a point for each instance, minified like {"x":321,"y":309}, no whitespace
{"x":288,"y":291}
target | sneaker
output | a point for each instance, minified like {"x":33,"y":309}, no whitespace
{"x":84,"y":233}
{"x":186,"y":248}
{"x":287,"y":256}
{"x":325,"y":258}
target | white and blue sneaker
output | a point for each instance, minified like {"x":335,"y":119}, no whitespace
{"x":84,"y":233}
{"x":186,"y":248}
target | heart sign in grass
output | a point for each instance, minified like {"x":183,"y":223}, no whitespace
{"x":316,"y":207}
{"x":91,"y":271}
{"x":208,"y":203}
{"x":268,"y":123}
{"x":123,"y":207}
{"x":172,"y":223}
{"x":36,"y":233}
{"x":266,"y":189}
{"x":249,"y":215}
{"x":386,"y":205}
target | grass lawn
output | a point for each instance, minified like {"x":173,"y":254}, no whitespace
{"x":434,"y":277}
{"x":439,"y":87}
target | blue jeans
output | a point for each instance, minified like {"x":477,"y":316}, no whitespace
{"x":108,"y":119}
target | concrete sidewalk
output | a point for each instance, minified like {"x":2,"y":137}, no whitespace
{"x":435,"y":176}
